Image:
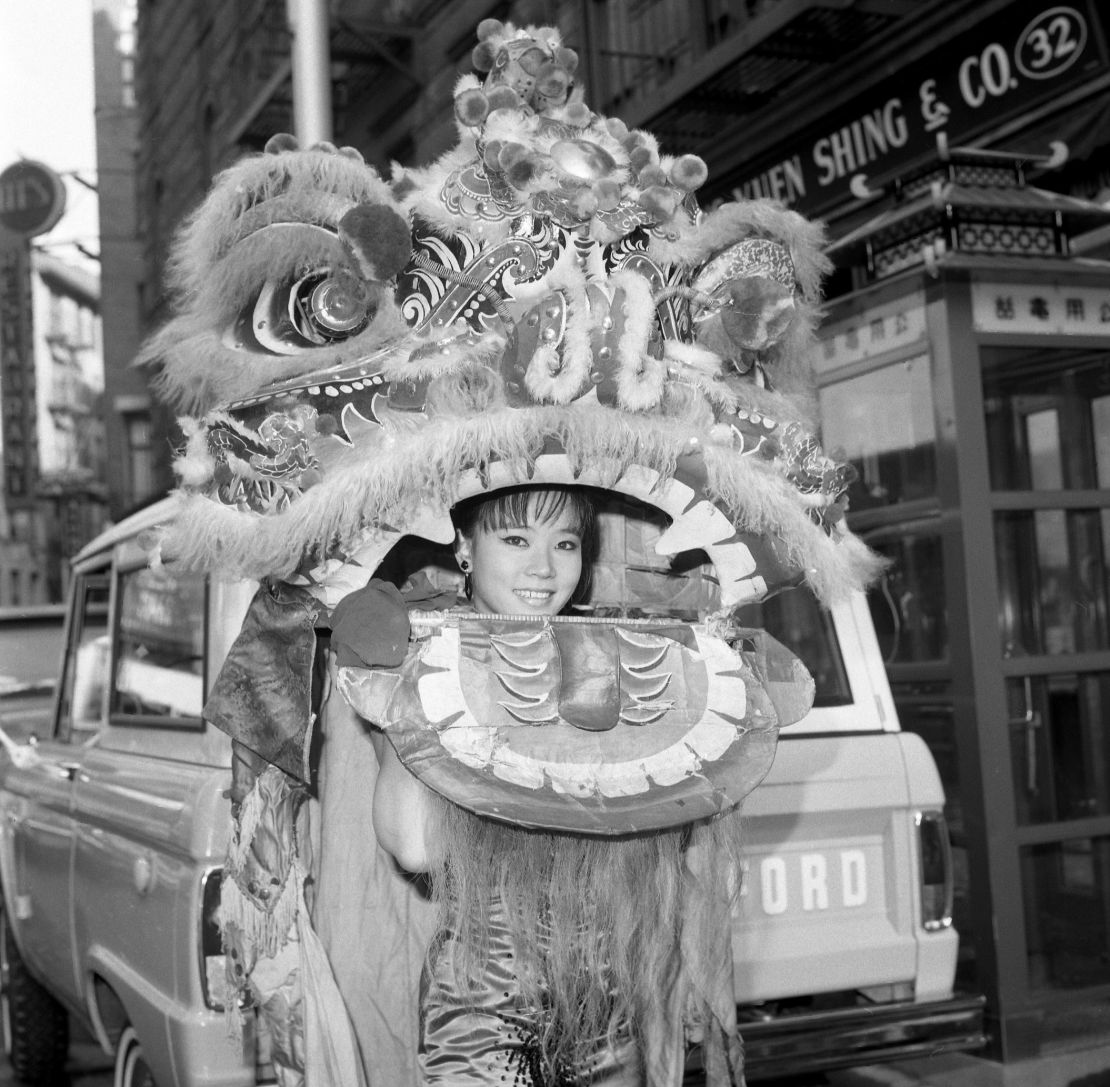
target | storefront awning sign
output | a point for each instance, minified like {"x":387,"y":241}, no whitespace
{"x":1040,"y":309}
{"x":1016,"y":59}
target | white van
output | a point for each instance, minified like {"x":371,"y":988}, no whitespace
{"x":113,"y":831}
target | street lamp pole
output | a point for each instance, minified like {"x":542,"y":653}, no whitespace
{"x":308,"y":23}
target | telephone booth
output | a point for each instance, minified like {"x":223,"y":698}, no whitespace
{"x":967,"y":377}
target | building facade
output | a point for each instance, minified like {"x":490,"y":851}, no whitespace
{"x":967,"y":381}
{"x":138,"y":462}
{"x":54,"y":436}
{"x":988,"y":487}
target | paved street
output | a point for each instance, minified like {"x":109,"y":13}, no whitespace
{"x":88,"y":1067}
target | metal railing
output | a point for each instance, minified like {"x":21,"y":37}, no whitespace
{"x":639,"y":46}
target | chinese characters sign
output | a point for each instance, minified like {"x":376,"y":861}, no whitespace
{"x":1012,"y":61}
{"x":17,"y":377}
{"x":877,"y":330}
{"x":1046,"y":309}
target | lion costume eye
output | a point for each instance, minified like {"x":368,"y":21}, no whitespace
{"x":328,"y":307}
{"x":321,"y":308}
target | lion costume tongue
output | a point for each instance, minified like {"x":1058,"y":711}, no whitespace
{"x":588,"y":727}
{"x":544,"y":304}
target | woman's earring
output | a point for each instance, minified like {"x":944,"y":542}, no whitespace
{"x":468,"y":589}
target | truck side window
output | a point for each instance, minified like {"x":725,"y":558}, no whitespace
{"x":86,"y":668}
{"x":796,"y":619}
{"x":159,"y":648}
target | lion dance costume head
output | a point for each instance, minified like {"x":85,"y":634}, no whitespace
{"x":545,"y":304}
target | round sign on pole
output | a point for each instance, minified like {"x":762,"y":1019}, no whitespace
{"x":32,"y":198}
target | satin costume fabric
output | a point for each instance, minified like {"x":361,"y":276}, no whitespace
{"x":488,"y":1036}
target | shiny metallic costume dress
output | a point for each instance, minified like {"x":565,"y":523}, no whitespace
{"x":489,"y":1036}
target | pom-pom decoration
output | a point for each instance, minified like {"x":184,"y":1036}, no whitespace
{"x":471,"y":107}
{"x":608,"y":194}
{"x":509,"y":153}
{"x":659,"y":200}
{"x":503,"y":98}
{"x":567,"y":59}
{"x":652,"y":175}
{"x":577,"y":114}
{"x":380,"y":238}
{"x":689,"y":172}
{"x":525,"y":170}
{"x":482,"y":57}
{"x":616,"y":128}
{"x":281,"y":141}
{"x":639,"y":157}
{"x":490,"y":28}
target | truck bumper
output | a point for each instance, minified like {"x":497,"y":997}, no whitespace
{"x":819,"y":1041}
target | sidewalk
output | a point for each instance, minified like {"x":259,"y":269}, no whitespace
{"x":1073,"y":1067}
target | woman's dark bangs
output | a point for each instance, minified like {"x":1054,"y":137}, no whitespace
{"x":520,"y":507}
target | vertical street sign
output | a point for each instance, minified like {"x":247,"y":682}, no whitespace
{"x":32,"y":199}
{"x":18,"y":430}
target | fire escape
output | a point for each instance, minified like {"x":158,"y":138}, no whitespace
{"x":717,"y":77}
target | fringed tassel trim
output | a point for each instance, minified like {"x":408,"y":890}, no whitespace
{"x":264,"y":929}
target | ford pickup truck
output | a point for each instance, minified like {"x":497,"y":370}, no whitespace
{"x":113,"y":826}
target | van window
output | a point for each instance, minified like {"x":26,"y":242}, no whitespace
{"x":159,"y":650}
{"x":796,"y":619}
{"x":81,"y":707}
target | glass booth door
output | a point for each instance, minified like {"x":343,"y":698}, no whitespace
{"x":989,"y":490}
{"x":1047,"y":416}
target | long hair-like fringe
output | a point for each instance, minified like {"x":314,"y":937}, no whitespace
{"x":610,"y":935}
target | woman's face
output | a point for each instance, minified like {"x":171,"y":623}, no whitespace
{"x":530,"y":569}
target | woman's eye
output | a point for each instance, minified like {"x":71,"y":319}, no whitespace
{"x":515,"y":541}
{"x":568,"y":545}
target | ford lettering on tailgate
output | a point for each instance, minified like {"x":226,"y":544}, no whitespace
{"x":830,"y":879}
{"x":821,"y":909}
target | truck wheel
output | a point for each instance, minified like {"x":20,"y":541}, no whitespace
{"x":131,"y":1067}
{"x":35,"y":1026}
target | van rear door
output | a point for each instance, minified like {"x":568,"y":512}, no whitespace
{"x":829,"y":899}
{"x":843,"y":947}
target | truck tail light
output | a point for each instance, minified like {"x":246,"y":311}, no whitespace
{"x":213,"y":973}
{"x":936,"y":870}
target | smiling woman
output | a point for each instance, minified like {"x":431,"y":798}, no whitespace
{"x":511,"y":986}
{"x":522,"y":550}
{"x":558,"y":954}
